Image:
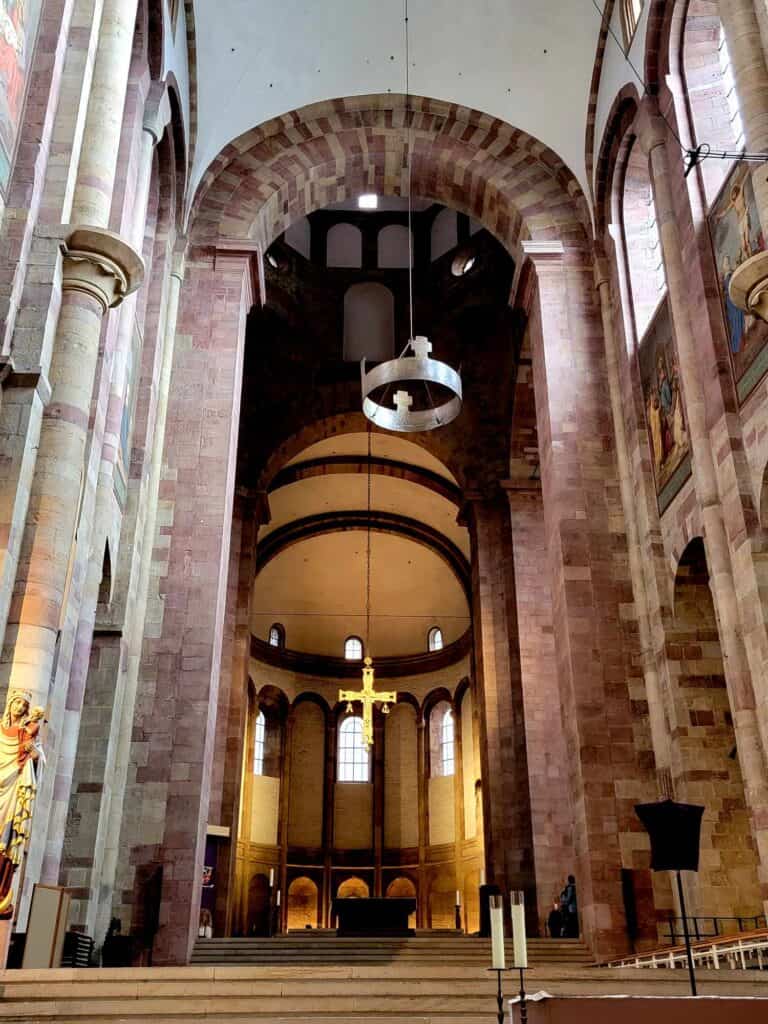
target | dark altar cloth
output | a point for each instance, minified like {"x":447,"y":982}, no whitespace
{"x":373,"y":916}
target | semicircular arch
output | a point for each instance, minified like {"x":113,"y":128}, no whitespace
{"x":337,"y":148}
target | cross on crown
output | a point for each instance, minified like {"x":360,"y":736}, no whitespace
{"x":421,"y":346}
{"x":403,"y":402}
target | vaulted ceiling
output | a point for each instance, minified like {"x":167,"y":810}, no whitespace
{"x":526,"y":62}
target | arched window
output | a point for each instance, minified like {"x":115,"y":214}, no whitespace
{"x":447,"y":744}
{"x":353,"y":648}
{"x":369,"y":322}
{"x":435,"y":639}
{"x":259,"y":743}
{"x":344,"y":246}
{"x":393,"y":249}
{"x":712,"y":102}
{"x":276,"y":635}
{"x":354,"y":760}
{"x":643,"y":244}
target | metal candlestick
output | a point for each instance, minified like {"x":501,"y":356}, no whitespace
{"x":499,"y":992}
{"x":523,"y":1004}
{"x":691,"y":972}
{"x":458,"y":917}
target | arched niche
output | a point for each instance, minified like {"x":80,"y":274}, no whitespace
{"x":393,"y":250}
{"x":403,"y":888}
{"x":305,"y":809}
{"x":442,"y":902}
{"x":302,"y":904}
{"x":257,"y":914}
{"x":705,"y":764}
{"x":369,"y":322}
{"x":401,"y":825}
{"x":344,"y":246}
{"x":441,"y":767}
{"x":353,"y":888}
{"x":444,"y":235}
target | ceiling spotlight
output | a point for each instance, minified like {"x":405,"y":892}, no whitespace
{"x":272,"y":261}
{"x":369,"y":201}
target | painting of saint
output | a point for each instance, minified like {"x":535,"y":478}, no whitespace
{"x":665,"y":414}
{"x":18,"y":24}
{"x":736,"y":235}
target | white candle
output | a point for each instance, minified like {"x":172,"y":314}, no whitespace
{"x":271,"y":877}
{"x":482,"y":876}
{"x":458,"y":898}
{"x":497,"y":938}
{"x":278,"y":897}
{"x":518,"y":931}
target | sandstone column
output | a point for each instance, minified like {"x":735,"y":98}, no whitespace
{"x":174,"y":737}
{"x":750,"y":732}
{"x":506,"y":797}
{"x":593,"y":614}
{"x":99,"y":270}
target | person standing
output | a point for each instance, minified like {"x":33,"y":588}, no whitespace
{"x":569,"y":909}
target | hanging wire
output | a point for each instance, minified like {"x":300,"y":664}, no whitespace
{"x":368,"y":556}
{"x":409,"y":158}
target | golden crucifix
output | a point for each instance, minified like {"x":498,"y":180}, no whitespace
{"x":368,"y":696}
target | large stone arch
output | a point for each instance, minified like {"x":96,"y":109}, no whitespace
{"x":291,"y":165}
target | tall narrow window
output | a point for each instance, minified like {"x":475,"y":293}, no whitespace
{"x":259,"y":742}
{"x":354,"y":762}
{"x":630,"y":15}
{"x":435,"y":639}
{"x":447,"y":744}
{"x":353,"y":648}
{"x":729,"y":88}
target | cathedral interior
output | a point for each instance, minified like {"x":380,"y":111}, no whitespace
{"x":208,"y":219}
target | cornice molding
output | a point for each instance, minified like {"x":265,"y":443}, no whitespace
{"x":392,"y":667}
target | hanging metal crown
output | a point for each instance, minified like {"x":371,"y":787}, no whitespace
{"x":420,"y":368}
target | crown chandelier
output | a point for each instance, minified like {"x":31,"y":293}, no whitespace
{"x":427,"y":392}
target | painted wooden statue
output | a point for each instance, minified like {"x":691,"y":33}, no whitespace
{"x":19,"y":752}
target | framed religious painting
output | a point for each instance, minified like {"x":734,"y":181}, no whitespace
{"x":664,"y":409}
{"x":18,"y":30}
{"x":736,"y":234}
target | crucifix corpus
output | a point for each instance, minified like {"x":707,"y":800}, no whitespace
{"x":368,"y":696}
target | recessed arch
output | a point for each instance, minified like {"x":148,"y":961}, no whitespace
{"x":340,"y":148}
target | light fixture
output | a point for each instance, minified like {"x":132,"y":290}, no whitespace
{"x":369,"y":201}
{"x":426,"y":393}
{"x":272,"y":261}
{"x":463,"y":264}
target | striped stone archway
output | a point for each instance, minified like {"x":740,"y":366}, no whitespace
{"x":302,"y":161}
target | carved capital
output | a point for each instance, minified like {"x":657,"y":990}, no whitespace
{"x":649,"y":126}
{"x":749,"y":286}
{"x":101,"y":264}
{"x":157,"y":111}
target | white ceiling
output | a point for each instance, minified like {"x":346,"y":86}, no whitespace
{"x":527,"y":62}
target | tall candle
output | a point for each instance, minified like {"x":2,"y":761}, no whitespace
{"x":278,"y":897}
{"x":482,"y":876}
{"x":271,"y":877}
{"x":497,"y":937}
{"x":458,"y":898}
{"x":519,"y":942}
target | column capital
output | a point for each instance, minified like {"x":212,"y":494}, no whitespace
{"x":101,"y":264}
{"x":157,"y":111}
{"x":602,"y":272}
{"x":542,"y":252}
{"x":649,"y":126}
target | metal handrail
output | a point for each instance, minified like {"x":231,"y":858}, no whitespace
{"x":710,"y":927}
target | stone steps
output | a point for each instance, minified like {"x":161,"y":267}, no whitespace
{"x":446,"y":993}
{"x":328,"y":949}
